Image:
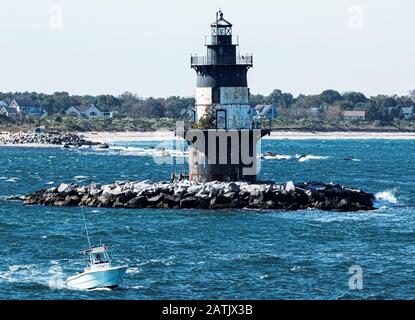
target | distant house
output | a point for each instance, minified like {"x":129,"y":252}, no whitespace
{"x":9,"y":112}
{"x":408,"y":112}
{"x":354,"y":115}
{"x":3,"y":111}
{"x":313,"y":112}
{"x":266,"y":111}
{"x":91,"y":112}
{"x":28,"y":108}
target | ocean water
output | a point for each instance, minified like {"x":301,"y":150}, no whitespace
{"x":194,"y":254}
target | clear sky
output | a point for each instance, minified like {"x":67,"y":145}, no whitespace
{"x":144,"y":46}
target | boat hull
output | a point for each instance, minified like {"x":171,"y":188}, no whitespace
{"x":108,"y":278}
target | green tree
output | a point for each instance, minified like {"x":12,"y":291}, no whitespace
{"x":355,"y":97}
{"x":151,"y":108}
{"x":107,"y":102}
{"x":280,"y":99}
{"x":257,"y":99}
{"x":207,"y":121}
{"x":344,"y":105}
{"x":175,"y":106}
{"x":305,"y":102}
{"x":330,"y":96}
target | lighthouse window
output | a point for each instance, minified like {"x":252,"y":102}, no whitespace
{"x":221,"y":50}
{"x":221,"y":119}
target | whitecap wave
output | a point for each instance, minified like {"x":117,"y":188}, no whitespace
{"x":80,"y":177}
{"x":133,"y":270}
{"x":385,"y":199}
{"x":136,"y":287}
{"x":277,"y":157}
{"x":305,"y":158}
{"x":149,"y":152}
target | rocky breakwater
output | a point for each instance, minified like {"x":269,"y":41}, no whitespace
{"x":212,"y":195}
{"x":68,"y":139}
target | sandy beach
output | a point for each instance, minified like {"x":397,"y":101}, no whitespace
{"x":110,"y":137}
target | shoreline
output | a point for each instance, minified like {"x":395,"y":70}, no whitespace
{"x":136,"y":136}
{"x":30,"y":145}
{"x":111,"y":137}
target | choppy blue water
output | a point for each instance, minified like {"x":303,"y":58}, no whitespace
{"x":195,"y":254}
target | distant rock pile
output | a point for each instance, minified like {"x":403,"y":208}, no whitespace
{"x":65,"y":139}
{"x":212,"y":195}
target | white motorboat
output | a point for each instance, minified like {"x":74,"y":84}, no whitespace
{"x":99,"y":273}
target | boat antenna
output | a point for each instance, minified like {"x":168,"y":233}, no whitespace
{"x":86,"y":228}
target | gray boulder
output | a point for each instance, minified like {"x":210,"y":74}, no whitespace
{"x":137,"y":202}
{"x":189,"y":203}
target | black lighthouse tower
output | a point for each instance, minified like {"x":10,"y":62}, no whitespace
{"x":221,"y":75}
{"x":222,"y":111}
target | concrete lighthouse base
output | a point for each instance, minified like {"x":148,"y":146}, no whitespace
{"x":224,"y":155}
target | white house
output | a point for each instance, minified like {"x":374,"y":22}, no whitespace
{"x":9,"y":112}
{"x":354,"y":115}
{"x":91,"y":112}
{"x":28,"y":108}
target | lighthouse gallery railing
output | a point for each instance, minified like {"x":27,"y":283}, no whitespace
{"x":197,"y":60}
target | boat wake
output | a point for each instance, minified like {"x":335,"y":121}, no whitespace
{"x":54,"y":278}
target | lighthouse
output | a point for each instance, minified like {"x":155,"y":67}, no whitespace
{"x":225,"y":134}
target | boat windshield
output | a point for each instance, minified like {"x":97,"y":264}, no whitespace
{"x":99,"y":257}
